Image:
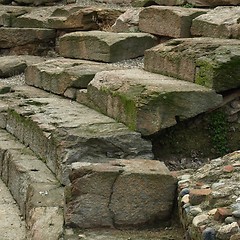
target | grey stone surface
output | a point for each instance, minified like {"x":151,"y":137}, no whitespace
{"x":209,"y":62}
{"x":148,"y":102}
{"x":12,"y":226}
{"x":111,"y":204}
{"x":62,"y":132}
{"x":36,"y":2}
{"x":221,"y":22}
{"x":105,"y":46}
{"x":168,"y":21}
{"x":213,"y":3}
{"x":12,"y":37}
{"x":14,"y":65}
{"x":128,"y":21}
{"x":59,"y":74}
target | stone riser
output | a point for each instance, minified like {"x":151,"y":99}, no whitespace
{"x":33,"y":186}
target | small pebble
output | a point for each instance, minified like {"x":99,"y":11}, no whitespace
{"x":194,"y":211}
{"x":229,"y":220}
{"x":185,"y":199}
{"x":209,"y":234}
{"x":184,"y":192}
{"x":236,"y":213}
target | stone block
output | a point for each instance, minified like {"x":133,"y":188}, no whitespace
{"x":222,"y":213}
{"x":197,"y":196}
{"x":213,"y":3}
{"x":58,"y":75}
{"x":12,"y":37}
{"x":221,"y":22}
{"x":148,"y":102}
{"x":144,"y":3}
{"x":62,"y":132}
{"x":105,"y":46}
{"x":111,"y":203}
{"x":209,"y":62}
{"x":168,"y":21}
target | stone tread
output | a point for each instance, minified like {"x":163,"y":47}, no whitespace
{"x":53,"y":126}
{"x":32,"y":185}
{"x":12,"y":225}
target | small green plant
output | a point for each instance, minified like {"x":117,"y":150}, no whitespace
{"x":218,"y":131}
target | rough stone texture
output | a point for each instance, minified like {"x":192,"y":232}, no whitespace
{"x":12,"y":226}
{"x":128,"y":21}
{"x":111,"y":204}
{"x":36,"y":2}
{"x":168,"y":21}
{"x":59,"y":74}
{"x":220,"y":203}
{"x":148,"y":102}
{"x":34,"y":187}
{"x":213,"y":3}
{"x":9,"y":13}
{"x":68,"y":17}
{"x":105,"y":46}
{"x":61,"y":132}
{"x":144,"y":3}
{"x":13,"y":65}
{"x":222,"y":22}
{"x":206,"y":61}
{"x":12,"y":37}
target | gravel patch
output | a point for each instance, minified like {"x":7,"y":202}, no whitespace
{"x":14,"y":80}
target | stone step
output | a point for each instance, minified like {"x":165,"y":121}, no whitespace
{"x":105,"y":46}
{"x":148,"y":102}
{"x":32,"y":41}
{"x":168,"y":21}
{"x":111,"y":203}
{"x":211,"y":62}
{"x":37,"y":192}
{"x":62,"y":132}
{"x":62,"y":75}
{"x":221,"y":22}
{"x":14,"y":65}
{"x":12,"y":225}
{"x":71,"y":17}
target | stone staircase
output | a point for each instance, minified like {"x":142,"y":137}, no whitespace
{"x":72,"y":152}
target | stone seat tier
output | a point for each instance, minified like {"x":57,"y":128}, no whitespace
{"x":62,"y":132}
{"x":211,"y":62}
{"x":105,"y":46}
{"x":37,"y":192}
{"x":148,"y":102}
{"x":62,"y":76}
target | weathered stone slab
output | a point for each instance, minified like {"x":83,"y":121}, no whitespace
{"x":44,"y":211}
{"x":148,"y":102}
{"x":168,"y":21}
{"x":222,"y":22}
{"x":105,"y":46}
{"x":12,"y":37}
{"x":209,"y":62}
{"x":144,"y":3}
{"x":111,"y":204}
{"x":36,"y":2}
{"x":36,"y":18}
{"x":13,"y":65}
{"x":128,"y":21}
{"x":9,"y":13}
{"x":61,"y":132}
{"x":213,"y":3}
{"x":60,"y":74}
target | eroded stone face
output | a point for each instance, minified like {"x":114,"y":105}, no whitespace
{"x":105,"y":46}
{"x":221,"y":22}
{"x":213,"y":3}
{"x":209,"y":62}
{"x":148,"y":102}
{"x":168,"y":21}
{"x":132,"y":193}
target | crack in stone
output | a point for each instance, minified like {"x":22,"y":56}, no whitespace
{"x":112,"y":214}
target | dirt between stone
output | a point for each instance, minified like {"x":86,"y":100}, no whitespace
{"x":168,"y":233}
